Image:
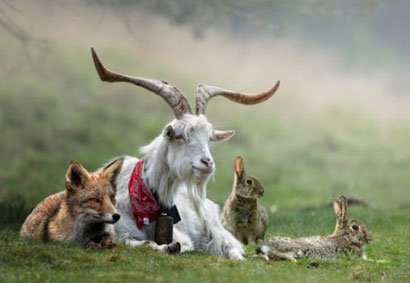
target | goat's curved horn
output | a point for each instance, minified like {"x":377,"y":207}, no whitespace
{"x":205,"y":92}
{"x":169,"y":93}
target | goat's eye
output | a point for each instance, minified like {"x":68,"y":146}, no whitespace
{"x":249,"y":181}
{"x":355,"y":227}
{"x":180,"y":138}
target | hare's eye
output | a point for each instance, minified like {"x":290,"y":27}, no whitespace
{"x":249,"y":181}
{"x":355,"y":227}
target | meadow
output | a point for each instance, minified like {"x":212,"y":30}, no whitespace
{"x":54,"y":109}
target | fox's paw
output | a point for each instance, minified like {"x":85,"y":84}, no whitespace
{"x":107,"y":244}
{"x":174,"y":248}
{"x":93,"y":245}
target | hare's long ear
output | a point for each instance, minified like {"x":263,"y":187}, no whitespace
{"x":76,"y":177}
{"x":340,"y":208}
{"x":239,"y":167}
{"x":111,"y":171}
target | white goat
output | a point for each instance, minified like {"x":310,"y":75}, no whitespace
{"x":177,"y":166}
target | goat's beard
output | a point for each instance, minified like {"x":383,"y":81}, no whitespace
{"x":210,"y":222}
{"x":200,"y":177}
{"x":196,"y":188}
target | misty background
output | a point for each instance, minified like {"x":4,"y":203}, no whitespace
{"x":339,"y":123}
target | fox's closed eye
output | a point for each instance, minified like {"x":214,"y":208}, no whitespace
{"x":95,"y":200}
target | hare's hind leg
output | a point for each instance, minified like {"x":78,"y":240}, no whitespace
{"x":276,"y":255}
{"x":267,"y":253}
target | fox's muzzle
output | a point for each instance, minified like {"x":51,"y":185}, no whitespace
{"x":109,"y":218}
{"x":116,"y":217}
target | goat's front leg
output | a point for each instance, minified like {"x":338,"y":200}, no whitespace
{"x":181,"y":243}
{"x":220,"y":240}
{"x":172,"y":248}
{"x":185,"y":241}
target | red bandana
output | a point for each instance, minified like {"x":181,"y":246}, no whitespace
{"x":143,"y":204}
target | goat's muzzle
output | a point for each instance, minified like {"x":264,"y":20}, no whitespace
{"x":207,"y":162}
{"x":206,"y":171}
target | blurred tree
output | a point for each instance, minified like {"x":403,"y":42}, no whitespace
{"x":8,"y":24}
{"x":200,"y":15}
{"x":273,"y":15}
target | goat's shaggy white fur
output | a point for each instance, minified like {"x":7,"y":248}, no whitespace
{"x":177,"y":167}
{"x":174,"y":168}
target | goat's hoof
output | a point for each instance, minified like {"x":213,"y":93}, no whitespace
{"x":235,"y":255}
{"x":174,"y":248}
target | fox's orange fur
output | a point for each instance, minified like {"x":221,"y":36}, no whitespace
{"x":81,"y":213}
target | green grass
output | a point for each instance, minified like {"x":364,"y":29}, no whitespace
{"x":304,"y":158}
{"x":22,"y":261}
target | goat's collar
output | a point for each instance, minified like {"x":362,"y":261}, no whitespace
{"x":145,"y":204}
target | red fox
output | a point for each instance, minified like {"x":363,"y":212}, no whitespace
{"x":82,"y":213}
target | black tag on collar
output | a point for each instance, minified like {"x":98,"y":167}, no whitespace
{"x":173,"y":212}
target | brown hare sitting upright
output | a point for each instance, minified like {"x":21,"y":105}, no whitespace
{"x":242,"y":215}
{"x":349,"y":237}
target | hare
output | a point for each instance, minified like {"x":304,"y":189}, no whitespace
{"x":242,"y":215}
{"x":349,"y":237}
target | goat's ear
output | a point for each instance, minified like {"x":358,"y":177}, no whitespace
{"x":340,"y":208}
{"x":169,"y":132}
{"x":76,"y":176}
{"x":239,"y":166}
{"x":222,"y":135}
{"x":111,"y":171}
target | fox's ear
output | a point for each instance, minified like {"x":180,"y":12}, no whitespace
{"x":110,"y":172}
{"x":239,"y":167}
{"x":76,"y":176}
{"x":340,"y":208}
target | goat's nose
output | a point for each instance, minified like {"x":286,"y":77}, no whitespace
{"x":116,"y":217}
{"x":207,"y":161}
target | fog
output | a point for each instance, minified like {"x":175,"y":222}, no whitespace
{"x":250,"y":56}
